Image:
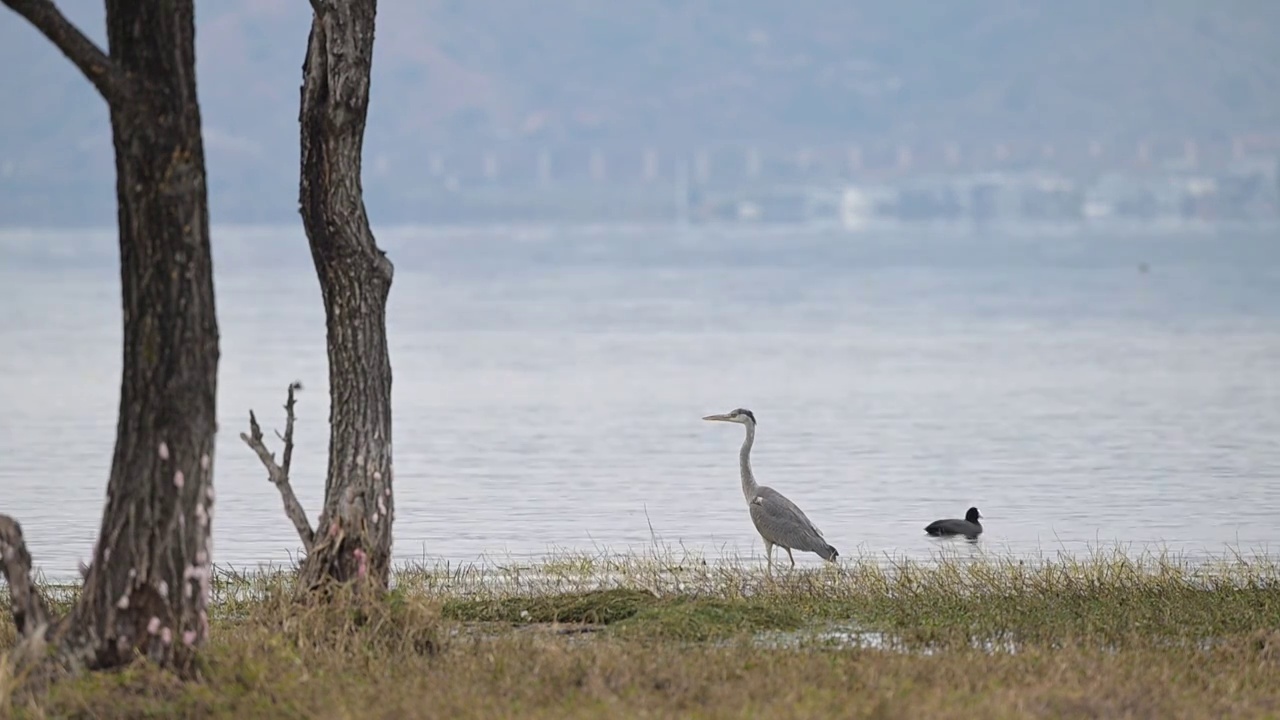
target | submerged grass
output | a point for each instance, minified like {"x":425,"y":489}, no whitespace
{"x":659,"y":635}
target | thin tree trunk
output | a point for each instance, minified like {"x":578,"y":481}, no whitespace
{"x":146,"y":590}
{"x":353,"y":539}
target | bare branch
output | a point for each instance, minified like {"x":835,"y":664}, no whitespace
{"x":96,"y":65}
{"x":279,"y":474}
{"x":30,"y":612}
{"x":288,"y":427}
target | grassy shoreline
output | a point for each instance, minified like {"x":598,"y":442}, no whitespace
{"x":659,"y":635}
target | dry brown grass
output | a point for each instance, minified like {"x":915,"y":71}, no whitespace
{"x":1108,"y":637}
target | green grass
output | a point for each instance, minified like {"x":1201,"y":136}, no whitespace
{"x":602,"y":607}
{"x":1107,"y":598}
{"x":657,"y":635}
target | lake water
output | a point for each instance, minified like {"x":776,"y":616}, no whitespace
{"x":549,"y":385}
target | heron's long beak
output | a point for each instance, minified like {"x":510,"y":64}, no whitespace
{"x":722,"y":418}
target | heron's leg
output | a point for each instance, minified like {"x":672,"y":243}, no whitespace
{"x":792,"y":557}
{"x":768,"y":553}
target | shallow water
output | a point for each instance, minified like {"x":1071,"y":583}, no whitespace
{"x":549,"y":384}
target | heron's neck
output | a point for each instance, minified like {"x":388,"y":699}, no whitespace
{"x":749,"y":485}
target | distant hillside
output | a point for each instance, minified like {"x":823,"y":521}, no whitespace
{"x":459,"y":75}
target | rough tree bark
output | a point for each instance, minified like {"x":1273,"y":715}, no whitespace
{"x":146,"y":588}
{"x":353,"y":538}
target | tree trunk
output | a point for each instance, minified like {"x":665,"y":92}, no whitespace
{"x":353,"y":540}
{"x":146,"y":590}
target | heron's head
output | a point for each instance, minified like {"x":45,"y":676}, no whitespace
{"x":741,"y":416}
{"x":972,"y":515}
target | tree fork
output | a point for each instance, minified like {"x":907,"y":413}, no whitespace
{"x":278,"y":474}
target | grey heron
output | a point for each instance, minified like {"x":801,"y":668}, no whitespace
{"x":968,"y":527}
{"x":776,"y":518}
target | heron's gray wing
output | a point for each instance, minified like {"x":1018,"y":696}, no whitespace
{"x":780,"y":521}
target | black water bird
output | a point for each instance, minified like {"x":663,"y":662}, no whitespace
{"x":968,"y":527}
